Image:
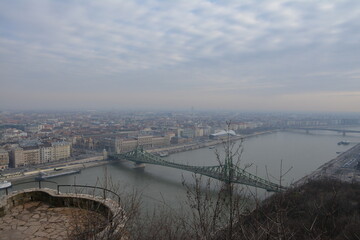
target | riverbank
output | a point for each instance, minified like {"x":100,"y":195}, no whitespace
{"x":65,"y":166}
{"x":342,"y":168}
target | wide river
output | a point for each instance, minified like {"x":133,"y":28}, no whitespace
{"x":301,"y":152}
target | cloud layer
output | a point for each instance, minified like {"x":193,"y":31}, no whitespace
{"x":182,"y":53}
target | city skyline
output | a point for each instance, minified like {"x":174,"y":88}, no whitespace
{"x":248,"y":55}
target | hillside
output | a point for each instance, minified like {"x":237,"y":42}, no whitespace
{"x":322,"y":209}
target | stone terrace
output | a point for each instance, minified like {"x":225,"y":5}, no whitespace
{"x":43,"y":214}
{"x":37,"y":220}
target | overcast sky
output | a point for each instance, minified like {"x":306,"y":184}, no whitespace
{"x":242,"y":55}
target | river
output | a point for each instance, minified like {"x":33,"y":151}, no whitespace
{"x":300,"y":151}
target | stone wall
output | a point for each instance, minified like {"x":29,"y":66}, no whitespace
{"x":106,"y":207}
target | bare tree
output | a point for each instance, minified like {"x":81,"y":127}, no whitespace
{"x":216,"y":207}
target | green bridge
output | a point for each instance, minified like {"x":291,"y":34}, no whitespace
{"x":228,"y":172}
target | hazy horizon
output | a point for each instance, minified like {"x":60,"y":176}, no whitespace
{"x":297,"y":56}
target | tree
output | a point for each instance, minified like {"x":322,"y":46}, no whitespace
{"x":215,"y":207}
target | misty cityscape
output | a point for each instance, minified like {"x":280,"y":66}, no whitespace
{"x":179,"y":120}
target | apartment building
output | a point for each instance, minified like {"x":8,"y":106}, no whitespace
{"x":24,"y":156}
{"x":16,"y":157}
{"x":4,"y":159}
{"x":31,"y":155}
{"x":61,"y":150}
{"x":46,"y":153}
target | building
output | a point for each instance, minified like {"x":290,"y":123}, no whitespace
{"x":126,"y":145}
{"x":199,"y":132}
{"x":187,"y":133}
{"x":46,"y":153}
{"x":24,"y":156}
{"x":61,"y":150}
{"x":16,"y":158}
{"x":31,"y":155}
{"x":4,"y":159}
{"x":107,"y":144}
{"x":145,"y":141}
{"x":161,"y":141}
{"x":207,"y":130}
{"x":13,"y":134}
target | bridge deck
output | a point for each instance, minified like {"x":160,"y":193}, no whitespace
{"x":225,"y":173}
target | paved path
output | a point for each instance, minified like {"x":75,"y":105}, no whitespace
{"x":36,"y":220}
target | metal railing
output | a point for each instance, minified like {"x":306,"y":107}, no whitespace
{"x":23,"y":183}
{"x":40,"y":185}
{"x":104,"y":190}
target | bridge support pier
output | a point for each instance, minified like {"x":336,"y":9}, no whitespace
{"x":139,"y":165}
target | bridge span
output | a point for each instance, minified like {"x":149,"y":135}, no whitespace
{"x":343,"y":131}
{"x":227,"y":172}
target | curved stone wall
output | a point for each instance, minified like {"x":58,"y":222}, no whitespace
{"x":106,"y":207}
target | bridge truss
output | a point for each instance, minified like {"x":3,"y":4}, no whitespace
{"x":227,"y":172}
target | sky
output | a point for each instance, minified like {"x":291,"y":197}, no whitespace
{"x":273,"y":55}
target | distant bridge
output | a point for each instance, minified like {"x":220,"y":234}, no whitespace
{"x":228,"y":173}
{"x":343,"y":131}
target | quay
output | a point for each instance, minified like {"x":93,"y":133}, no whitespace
{"x":33,"y":171}
{"x":343,"y":168}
